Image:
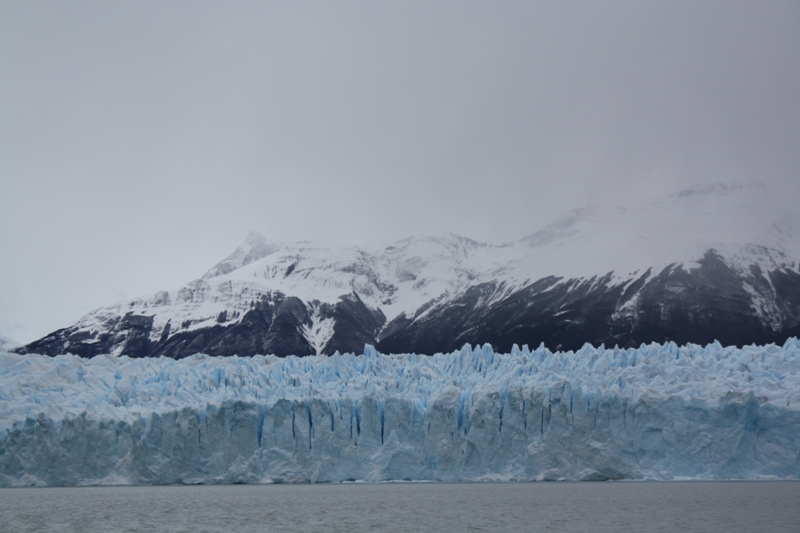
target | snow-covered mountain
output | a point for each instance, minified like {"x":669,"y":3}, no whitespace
{"x":718,"y":262}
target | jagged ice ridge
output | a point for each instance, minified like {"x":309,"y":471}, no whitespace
{"x":656,"y":412}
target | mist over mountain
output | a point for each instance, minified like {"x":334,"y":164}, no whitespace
{"x":707,"y":263}
{"x":7,"y":344}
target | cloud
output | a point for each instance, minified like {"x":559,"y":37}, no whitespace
{"x":141,"y":141}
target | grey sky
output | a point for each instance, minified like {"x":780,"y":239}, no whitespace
{"x":140,"y":141}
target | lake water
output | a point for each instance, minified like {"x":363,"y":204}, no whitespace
{"x":611,"y":506}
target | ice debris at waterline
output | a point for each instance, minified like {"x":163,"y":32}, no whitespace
{"x":657,"y":412}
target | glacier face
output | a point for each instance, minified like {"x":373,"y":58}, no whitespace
{"x":657,"y":412}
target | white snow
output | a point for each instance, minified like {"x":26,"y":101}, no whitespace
{"x":657,"y":412}
{"x":320,"y":331}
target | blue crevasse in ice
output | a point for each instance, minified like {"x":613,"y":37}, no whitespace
{"x":656,"y":412}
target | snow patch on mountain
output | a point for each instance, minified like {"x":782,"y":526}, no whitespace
{"x":674,"y":230}
{"x":254,"y":248}
{"x":319,"y":331}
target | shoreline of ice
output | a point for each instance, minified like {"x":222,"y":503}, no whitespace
{"x":657,"y":412}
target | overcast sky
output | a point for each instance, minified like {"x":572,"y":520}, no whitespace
{"x":141,"y":141}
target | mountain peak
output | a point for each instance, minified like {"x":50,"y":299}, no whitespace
{"x":571,"y":224}
{"x":254,"y":247}
{"x":254,"y":238}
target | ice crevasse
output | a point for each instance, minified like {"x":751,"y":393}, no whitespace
{"x":656,"y":412}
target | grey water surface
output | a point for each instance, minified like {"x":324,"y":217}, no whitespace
{"x":598,"y":506}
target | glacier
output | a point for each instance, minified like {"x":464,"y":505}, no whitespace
{"x":656,"y":412}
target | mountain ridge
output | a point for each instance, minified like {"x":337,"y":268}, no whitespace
{"x":705,"y":263}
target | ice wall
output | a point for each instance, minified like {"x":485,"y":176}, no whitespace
{"x":657,"y":412}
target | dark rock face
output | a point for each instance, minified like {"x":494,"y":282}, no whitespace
{"x":699,"y":306}
{"x":272,"y":326}
{"x":712,"y":302}
{"x":131,"y":330}
{"x":355,"y":324}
